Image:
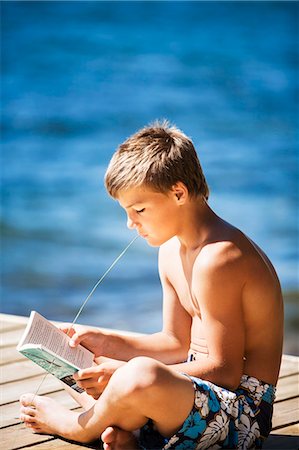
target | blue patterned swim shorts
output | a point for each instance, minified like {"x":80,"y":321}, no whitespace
{"x":220,"y":418}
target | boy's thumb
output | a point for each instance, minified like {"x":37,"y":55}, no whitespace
{"x":73,"y":342}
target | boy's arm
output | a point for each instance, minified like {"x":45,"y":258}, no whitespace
{"x":168,"y":346}
{"x":218,"y":284}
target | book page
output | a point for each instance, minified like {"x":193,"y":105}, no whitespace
{"x":60,"y":369}
{"x":40,"y":331}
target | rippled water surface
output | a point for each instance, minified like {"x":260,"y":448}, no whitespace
{"x":78,"y":78}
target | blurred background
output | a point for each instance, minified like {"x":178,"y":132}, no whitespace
{"x":80,"y":77}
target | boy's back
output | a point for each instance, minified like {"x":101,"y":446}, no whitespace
{"x":227,"y":252}
{"x":257,"y":300}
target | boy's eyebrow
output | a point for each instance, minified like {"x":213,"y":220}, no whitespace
{"x":132,"y":204}
{"x":129,"y":206}
{"x":136,"y":201}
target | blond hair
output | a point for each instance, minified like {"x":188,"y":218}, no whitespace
{"x":157,"y":156}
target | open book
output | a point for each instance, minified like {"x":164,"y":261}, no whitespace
{"x":48,"y":347}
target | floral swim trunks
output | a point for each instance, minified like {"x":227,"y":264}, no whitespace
{"x":220,"y":418}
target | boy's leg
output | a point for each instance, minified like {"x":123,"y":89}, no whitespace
{"x":140,"y":390}
{"x":149,"y":390}
{"x":83,"y":399}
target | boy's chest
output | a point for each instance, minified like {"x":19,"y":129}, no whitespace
{"x":187,"y":299}
{"x":183,"y":283}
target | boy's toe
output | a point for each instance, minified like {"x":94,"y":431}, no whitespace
{"x":26,"y":399}
{"x":109,"y":435}
{"x":28,"y":411}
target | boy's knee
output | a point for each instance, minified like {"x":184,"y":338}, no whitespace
{"x":145,"y":371}
{"x":138,"y":376}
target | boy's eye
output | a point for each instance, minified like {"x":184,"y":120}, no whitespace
{"x":139,"y":211}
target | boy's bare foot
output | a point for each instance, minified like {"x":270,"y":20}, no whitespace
{"x":116,"y":439}
{"x":45,"y":415}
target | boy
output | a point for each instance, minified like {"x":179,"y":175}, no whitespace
{"x":208,"y":378}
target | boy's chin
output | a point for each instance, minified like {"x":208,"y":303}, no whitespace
{"x":154,"y":241}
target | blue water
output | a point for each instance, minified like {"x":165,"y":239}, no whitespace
{"x":77,"y":79}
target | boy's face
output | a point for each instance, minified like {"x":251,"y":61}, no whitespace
{"x":153,"y":214}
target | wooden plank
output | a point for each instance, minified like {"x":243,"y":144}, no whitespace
{"x":10,"y":338}
{"x":9,"y":326}
{"x":13,"y":319}
{"x":289,"y":365}
{"x":61,"y":444}
{"x":9,"y":414}
{"x":11,"y":392}
{"x":19,"y":371}
{"x":19,"y":436}
{"x":291,"y":430}
{"x":287,"y":387}
{"x":285,"y":412}
{"x":9,"y":355}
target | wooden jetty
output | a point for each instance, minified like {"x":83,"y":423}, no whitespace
{"x":19,"y":375}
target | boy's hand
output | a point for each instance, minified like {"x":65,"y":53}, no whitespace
{"x":90,"y":338}
{"x":94,"y":379}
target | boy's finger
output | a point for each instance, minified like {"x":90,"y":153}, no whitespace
{"x":76,"y":338}
{"x":67,"y":329}
{"x":80,"y":375}
{"x":86,"y":373}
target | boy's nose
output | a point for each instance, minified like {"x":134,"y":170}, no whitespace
{"x":130,"y":223}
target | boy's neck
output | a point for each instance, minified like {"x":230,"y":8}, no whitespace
{"x":198,"y":222}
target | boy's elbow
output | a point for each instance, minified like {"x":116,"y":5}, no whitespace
{"x":232,"y":385}
{"x":229,"y":375}
{"x":232,"y":380}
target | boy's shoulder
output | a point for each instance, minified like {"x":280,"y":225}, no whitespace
{"x":212,"y":255}
{"x":218,"y":254}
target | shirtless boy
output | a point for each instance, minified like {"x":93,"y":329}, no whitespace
{"x":208,"y":378}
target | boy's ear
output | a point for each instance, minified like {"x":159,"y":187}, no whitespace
{"x":180,"y":192}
